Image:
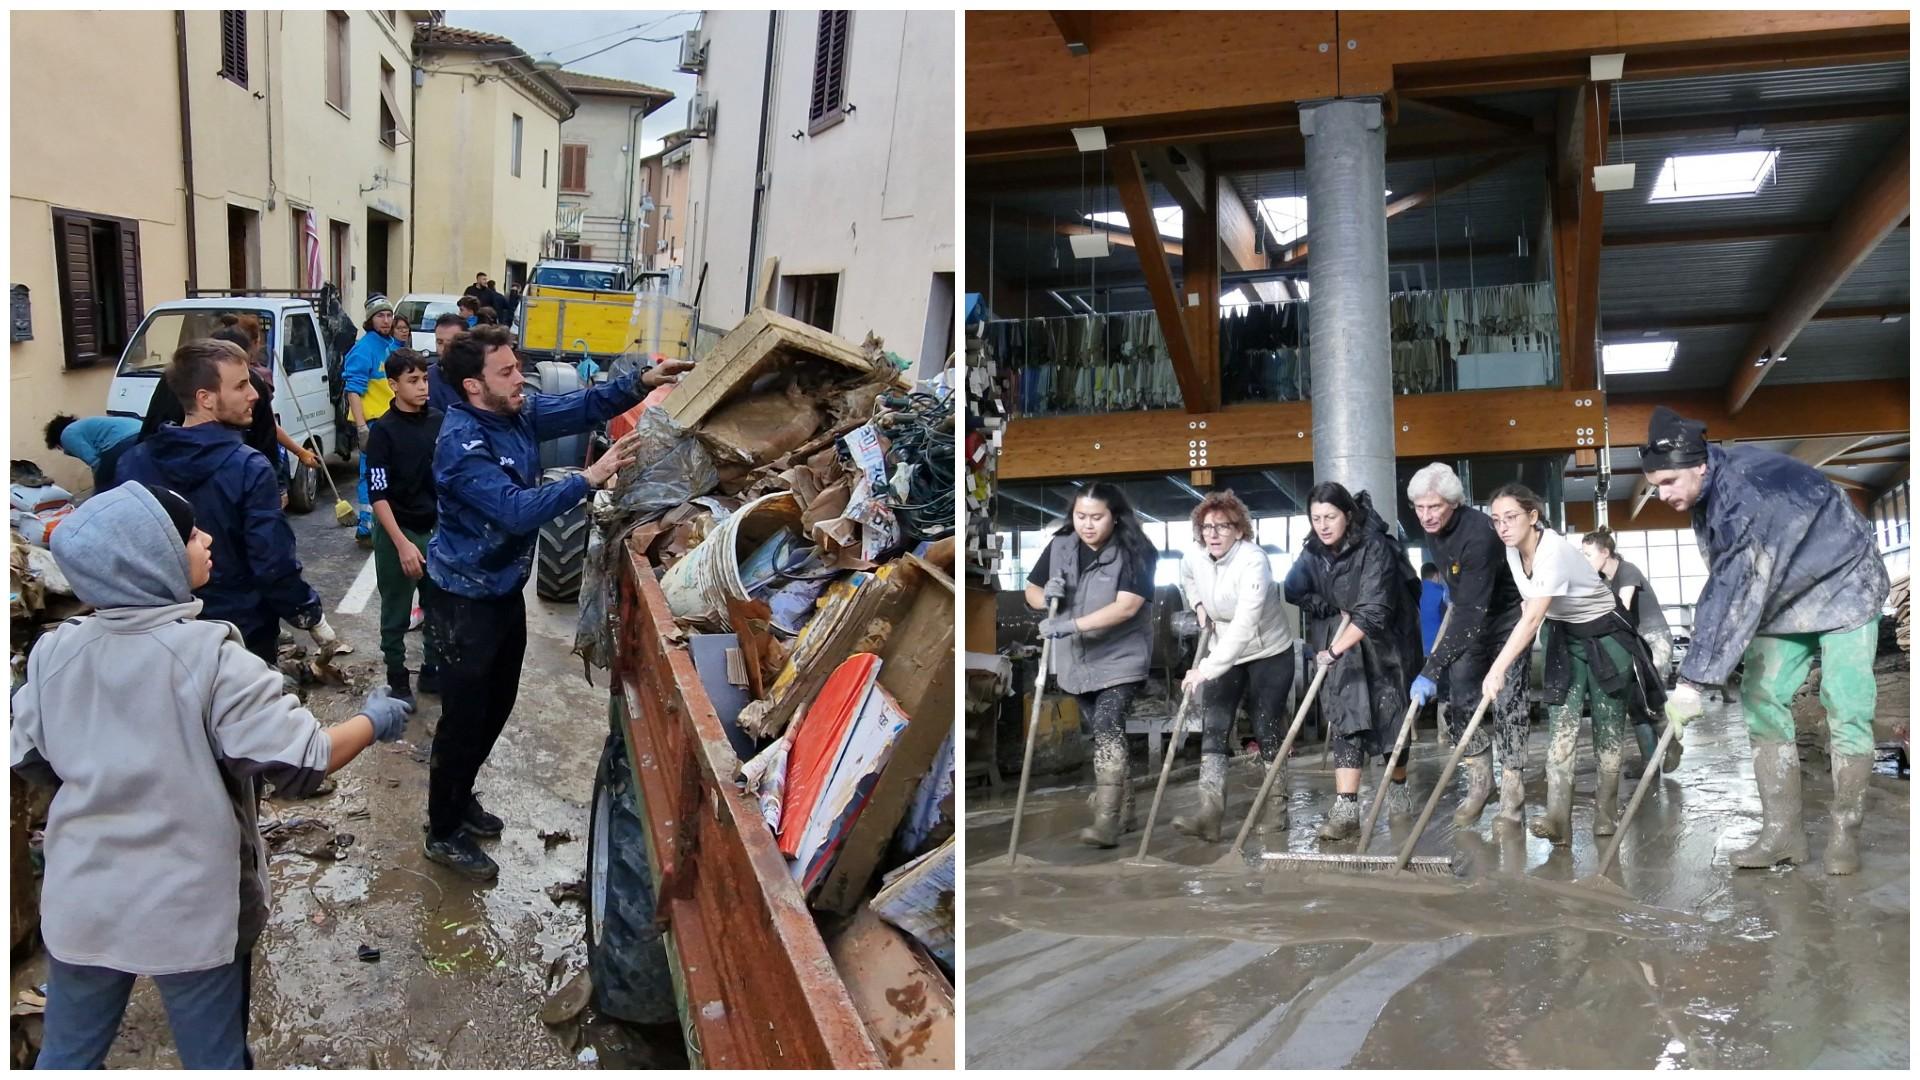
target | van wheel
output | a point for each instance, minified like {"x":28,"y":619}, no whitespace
{"x":626,"y":958}
{"x":560,"y":554}
{"x":303,"y":487}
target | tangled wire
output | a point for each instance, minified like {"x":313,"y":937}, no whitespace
{"x":919,"y":428}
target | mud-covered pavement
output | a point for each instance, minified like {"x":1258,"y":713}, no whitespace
{"x":1076,"y":960}
{"x":463,"y":968}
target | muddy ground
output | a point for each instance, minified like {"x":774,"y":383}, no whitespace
{"x":463,"y":968}
{"x":1077,"y":960}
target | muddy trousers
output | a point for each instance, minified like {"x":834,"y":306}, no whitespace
{"x":207,"y":1011}
{"x":482,"y":644}
{"x":396,"y":598}
{"x":1263,"y":684}
{"x":1104,"y":712}
{"x":1563,"y":734}
{"x":1777,"y":666}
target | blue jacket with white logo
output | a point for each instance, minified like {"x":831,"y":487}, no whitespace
{"x":486,"y":471}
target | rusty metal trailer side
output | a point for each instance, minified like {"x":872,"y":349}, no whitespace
{"x":756,"y":986}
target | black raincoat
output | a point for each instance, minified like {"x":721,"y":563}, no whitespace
{"x":1786,"y":553}
{"x":1368,"y":577}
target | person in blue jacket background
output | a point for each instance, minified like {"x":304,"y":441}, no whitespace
{"x":363,"y":377}
{"x":486,"y":472}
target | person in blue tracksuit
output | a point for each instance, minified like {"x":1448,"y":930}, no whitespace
{"x":257,"y":578}
{"x":363,"y":376}
{"x":486,"y":474}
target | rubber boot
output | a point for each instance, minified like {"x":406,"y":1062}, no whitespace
{"x":1109,"y":792}
{"x":1643,"y":737}
{"x":1513,"y":796}
{"x":1673,"y":752}
{"x":1129,"y":821}
{"x":1343,"y":821}
{"x":1850,"y":772}
{"x":1479,"y":773}
{"x":1557,"y":823}
{"x":1606,"y":796}
{"x":1273,"y":817}
{"x":1776,"y":770}
{"x":1204,"y":823}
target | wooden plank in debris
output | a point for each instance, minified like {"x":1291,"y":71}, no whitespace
{"x":759,"y":342}
{"x":900,"y":994}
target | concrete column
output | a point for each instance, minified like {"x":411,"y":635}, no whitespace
{"x":1347,"y":281}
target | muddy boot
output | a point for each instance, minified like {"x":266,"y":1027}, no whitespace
{"x":1273,"y":820}
{"x":1204,"y":823}
{"x":1399,"y":799}
{"x":1343,"y":821}
{"x":1673,"y":752}
{"x":1129,"y":821}
{"x":1479,"y":773}
{"x":1606,"y":794}
{"x":1557,"y":823}
{"x":1644,"y":738}
{"x":1776,"y":770}
{"x":1513,"y":796}
{"x":1850,"y":773}
{"x":1109,"y":793}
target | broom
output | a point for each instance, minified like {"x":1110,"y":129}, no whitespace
{"x":1280,"y":757}
{"x":1173,"y":750}
{"x":1033,"y":730}
{"x":343,"y":511}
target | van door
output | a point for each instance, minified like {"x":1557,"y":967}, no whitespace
{"x":301,"y":400}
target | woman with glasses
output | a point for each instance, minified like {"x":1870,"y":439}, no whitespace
{"x":1352,"y":564}
{"x":1099,"y":570}
{"x":1228,"y":583}
{"x":1593,"y":658}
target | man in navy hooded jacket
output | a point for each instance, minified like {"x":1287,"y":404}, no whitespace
{"x":486,"y":472}
{"x":256,"y":575}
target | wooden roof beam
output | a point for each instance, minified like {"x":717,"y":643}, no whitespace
{"x":1818,"y":452}
{"x":1878,"y":205}
{"x":1296,"y":252}
{"x":1131,"y":180}
{"x":1477,"y":115}
{"x":1076,"y":30}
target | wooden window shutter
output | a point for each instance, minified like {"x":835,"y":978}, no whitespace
{"x":233,"y":46}
{"x":573,"y":167}
{"x":73,"y":255}
{"x":829,"y":71}
{"x":130,"y":294}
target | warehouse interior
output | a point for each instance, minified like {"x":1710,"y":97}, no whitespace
{"x":1585,"y":215}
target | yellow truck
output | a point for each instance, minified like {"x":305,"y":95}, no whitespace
{"x":574,"y":310}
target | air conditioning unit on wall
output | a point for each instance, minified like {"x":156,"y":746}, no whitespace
{"x":693,"y":52}
{"x":700,"y":112}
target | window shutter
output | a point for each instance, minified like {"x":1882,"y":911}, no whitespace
{"x":233,"y":46}
{"x":130,"y":294}
{"x":829,"y":68}
{"x":73,"y":254}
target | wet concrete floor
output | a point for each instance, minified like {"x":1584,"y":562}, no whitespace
{"x":463,"y":967}
{"x":1078,"y":960}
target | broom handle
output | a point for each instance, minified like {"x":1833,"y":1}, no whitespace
{"x":1639,"y":793}
{"x":1440,"y":786}
{"x":1286,"y":746}
{"x":1173,"y":744}
{"x":1033,"y":730}
{"x":1393,"y":759}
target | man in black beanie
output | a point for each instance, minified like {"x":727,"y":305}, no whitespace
{"x":1793,"y":572}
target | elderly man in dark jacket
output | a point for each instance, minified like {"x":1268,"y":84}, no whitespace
{"x":1793,"y":572}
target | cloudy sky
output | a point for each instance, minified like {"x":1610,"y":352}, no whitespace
{"x":570,"y":36}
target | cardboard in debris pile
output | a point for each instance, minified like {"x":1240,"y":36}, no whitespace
{"x":756,"y":428}
{"x":900,"y":994}
{"x":759,"y":343}
{"x":918,"y":898}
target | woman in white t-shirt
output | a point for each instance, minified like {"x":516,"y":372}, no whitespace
{"x":1593,"y":657}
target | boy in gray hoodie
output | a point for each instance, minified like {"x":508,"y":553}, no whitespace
{"x":154,"y":862}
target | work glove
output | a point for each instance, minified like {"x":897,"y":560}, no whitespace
{"x":324,"y":637}
{"x":1055,"y":588}
{"x":1685,"y":705}
{"x":388,"y":713}
{"x":1058,"y":626}
{"x":1424,"y":690}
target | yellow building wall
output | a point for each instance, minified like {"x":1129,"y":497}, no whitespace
{"x":111,"y":147}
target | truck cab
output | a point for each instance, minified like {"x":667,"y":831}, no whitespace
{"x":582,"y":275}
{"x":296,"y":353}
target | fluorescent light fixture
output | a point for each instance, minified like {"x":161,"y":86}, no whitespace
{"x":1090,"y":245}
{"x":1613,"y":177}
{"x":1638,"y":358}
{"x":1090,"y":139}
{"x":1762,"y":362}
{"x":1892,"y":318}
{"x":1732,"y":175}
{"x":1606,"y":67}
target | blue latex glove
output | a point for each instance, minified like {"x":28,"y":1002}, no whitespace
{"x":388,"y":713}
{"x":1058,"y":626}
{"x":1424,"y":690}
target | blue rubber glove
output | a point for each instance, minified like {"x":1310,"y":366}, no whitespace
{"x":1424,"y":690}
{"x":388,"y":713}
{"x":1058,"y":626}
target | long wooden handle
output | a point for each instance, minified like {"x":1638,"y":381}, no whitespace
{"x":1286,"y":747}
{"x":1173,"y":744}
{"x":1401,"y":742}
{"x":1446,"y":774}
{"x":1639,"y":793}
{"x":1033,"y":730}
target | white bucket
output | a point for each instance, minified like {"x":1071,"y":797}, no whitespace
{"x":698,"y":586}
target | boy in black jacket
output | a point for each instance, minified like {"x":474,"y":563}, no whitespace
{"x":400,"y":490}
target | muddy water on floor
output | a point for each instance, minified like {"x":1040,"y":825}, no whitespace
{"x":1077,"y":959}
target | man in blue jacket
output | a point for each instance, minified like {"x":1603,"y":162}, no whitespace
{"x":256,"y":578}
{"x":1792,"y":572}
{"x":486,"y":472}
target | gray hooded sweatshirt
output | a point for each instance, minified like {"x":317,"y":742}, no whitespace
{"x":154,"y":728}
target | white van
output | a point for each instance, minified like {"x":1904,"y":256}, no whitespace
{"x":300,"y":362}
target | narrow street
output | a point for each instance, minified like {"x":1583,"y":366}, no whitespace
{"x":463,"y":969}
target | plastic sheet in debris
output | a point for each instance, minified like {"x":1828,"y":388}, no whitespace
{"x":671,"y":467}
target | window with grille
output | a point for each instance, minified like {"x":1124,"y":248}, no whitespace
{"x":233,"y":46}
{"x":337,"y":58}
{"x":98,"y":262}
{"x":573,"y":168}
{"x":829,"y":72}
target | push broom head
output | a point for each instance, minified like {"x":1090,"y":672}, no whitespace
{"x":344,"y":513}
{"x":1439,"y":865}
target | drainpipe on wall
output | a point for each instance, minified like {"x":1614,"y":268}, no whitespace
{"x":760,"y":167}
{"x":626,"y":194}
{"x":186,"y":150}
{"x":413,"y":163}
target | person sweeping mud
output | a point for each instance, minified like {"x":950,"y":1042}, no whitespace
{"x":1792,"y":570}
{"x":1593,"y":658}
{"x":1229,"y":584}
{"x":1353,"y":564}
{"x":1485,"y":608}
{"x":1100,"y":570}
{"x":1642,"y":608}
